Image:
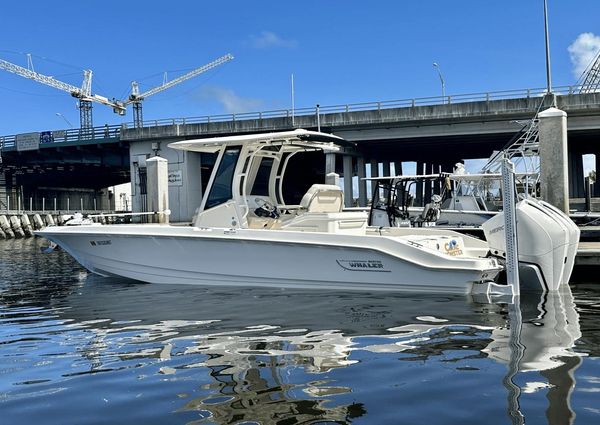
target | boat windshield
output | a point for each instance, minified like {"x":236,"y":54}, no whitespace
{"x":221,"y":188}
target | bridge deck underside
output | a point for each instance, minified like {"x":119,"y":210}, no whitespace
{"x":93,"y":166}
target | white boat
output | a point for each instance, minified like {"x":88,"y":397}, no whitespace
{"x":244,"y":234}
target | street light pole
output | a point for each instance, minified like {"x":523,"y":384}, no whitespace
{"x":436,"y":66}
{"x":548,"y":71}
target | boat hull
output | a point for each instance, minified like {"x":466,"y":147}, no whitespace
{"x":188,"y":255}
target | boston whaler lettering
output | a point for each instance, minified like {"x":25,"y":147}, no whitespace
{"x":244,"y":233}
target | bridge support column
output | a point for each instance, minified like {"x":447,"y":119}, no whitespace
{"x":330,"y":176}
{"x":386,"y":168}
{"x":575,"y":178}
{"x":348,"y":189}
{"x":596,"y":192}
{"x":553,"y":158}
{"x":362,"y":184}
{"x":398,"y":168}
{"x":374,"y":173}
{"x":158,"y":187}
{"x":419,"y":189}
{"x":428,"y":189}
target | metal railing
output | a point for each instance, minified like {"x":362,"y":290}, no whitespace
{"x":367,"y":106}
{"x":113,"y":131}
{"x":72,"y":135}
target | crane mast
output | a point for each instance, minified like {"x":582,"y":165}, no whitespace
{"x":136,"y":97}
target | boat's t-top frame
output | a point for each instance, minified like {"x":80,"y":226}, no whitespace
{"x":249,"y":170}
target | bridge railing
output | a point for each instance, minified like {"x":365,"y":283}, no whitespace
{"x":113,"y":131}
{"x":72,"y":135}
{"x":366,"y":106}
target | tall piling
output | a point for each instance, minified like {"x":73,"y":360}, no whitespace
{"x":554,"y":183}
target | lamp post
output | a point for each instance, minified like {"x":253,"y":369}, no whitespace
{"x":436,"y":66}
{"x":548,"y":70}
{"x":58,"y":114}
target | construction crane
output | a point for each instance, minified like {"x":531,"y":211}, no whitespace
{"x":136,"y":97}
{"x":83,"y":93}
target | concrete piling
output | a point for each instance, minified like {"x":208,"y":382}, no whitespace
{"x":2,"y":234}
{"x":554,"y":185}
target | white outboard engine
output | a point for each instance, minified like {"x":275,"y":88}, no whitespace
{"x":547,"y":244}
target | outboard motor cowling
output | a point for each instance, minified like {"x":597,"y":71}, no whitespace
{"x":545,"y":240}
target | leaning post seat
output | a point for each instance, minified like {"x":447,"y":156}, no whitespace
{"x":321,"y":211}
{"x":323,"y":198}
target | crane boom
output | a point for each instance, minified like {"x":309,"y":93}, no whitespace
{"x":41,"y":78}
{"x":136,"y":97}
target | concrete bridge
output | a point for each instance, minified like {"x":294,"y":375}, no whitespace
{"x":432,"y":132}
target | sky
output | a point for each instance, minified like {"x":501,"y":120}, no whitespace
{"x":339,"y":52}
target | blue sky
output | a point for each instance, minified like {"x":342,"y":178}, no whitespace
{"x":339,"y":52}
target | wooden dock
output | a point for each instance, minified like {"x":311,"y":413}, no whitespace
{"x":588,"y":253}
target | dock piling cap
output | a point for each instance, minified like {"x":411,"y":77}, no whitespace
{"x":552,"y":112}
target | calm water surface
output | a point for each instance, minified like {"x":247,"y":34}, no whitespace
{"x":79,"y":349}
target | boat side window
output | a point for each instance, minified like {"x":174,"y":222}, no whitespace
{"x":221,"y":188}
{"x":261,"y":182}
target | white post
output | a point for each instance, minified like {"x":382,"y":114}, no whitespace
{"x":157,"y":178}
{"x":43,"y":204}
{"x":81,"y":203}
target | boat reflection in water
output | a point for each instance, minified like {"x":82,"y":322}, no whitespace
{"x":263,"y":356}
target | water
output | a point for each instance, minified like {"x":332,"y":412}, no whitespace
{"x":76,"y":348}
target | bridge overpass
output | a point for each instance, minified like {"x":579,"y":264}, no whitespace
{"x":433,"y":132}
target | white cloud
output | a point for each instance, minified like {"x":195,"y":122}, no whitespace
{"x":268,"y":39}
{"x":582,"y":51}
{"x":229,"y":100}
